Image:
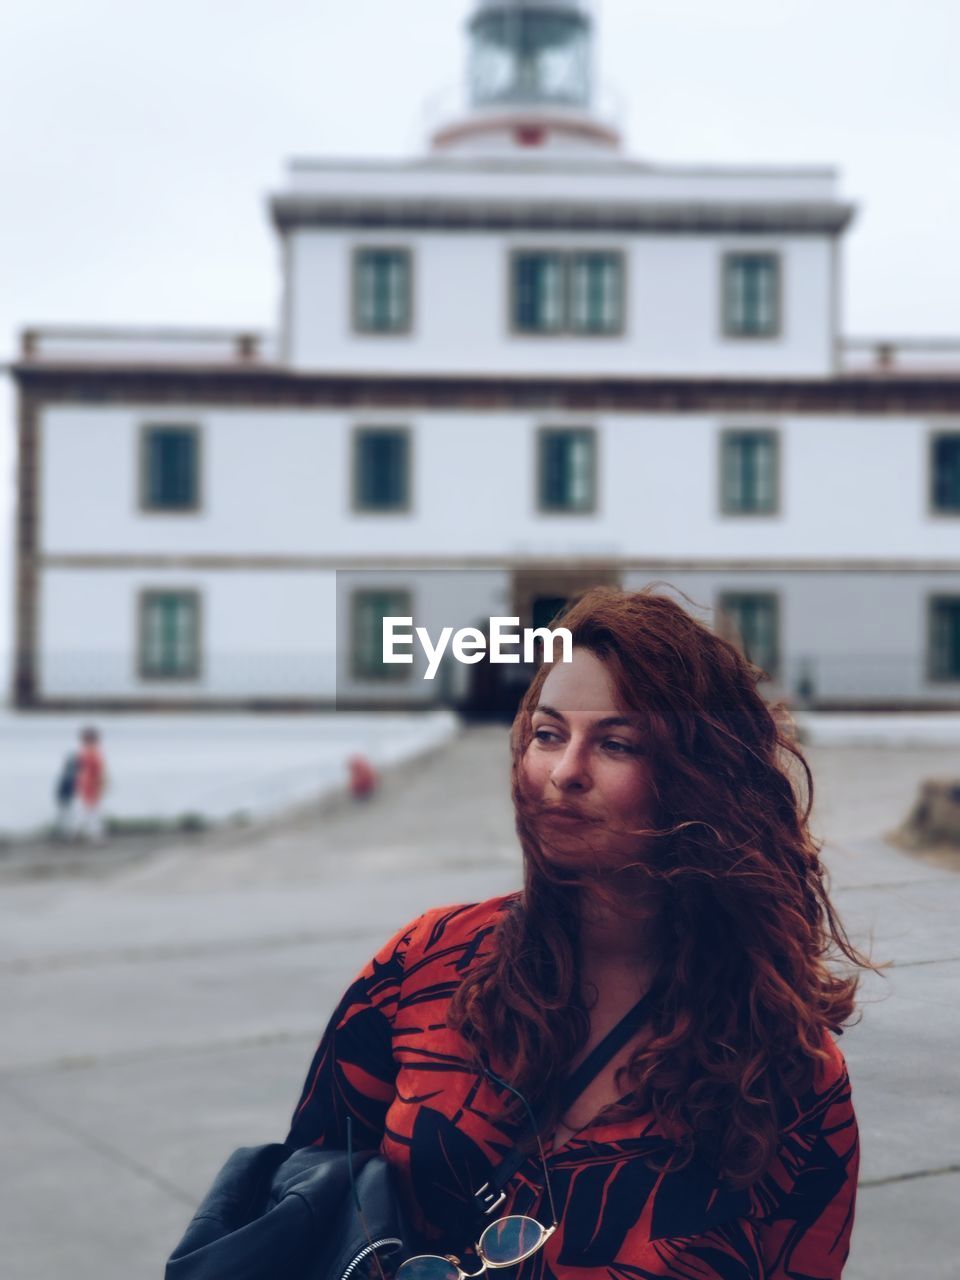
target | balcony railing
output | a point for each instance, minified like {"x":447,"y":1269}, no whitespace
{"x":82,"y":344}
{"x":910,"y":357}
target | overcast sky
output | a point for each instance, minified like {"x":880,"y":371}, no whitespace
{"x":139,"y":141}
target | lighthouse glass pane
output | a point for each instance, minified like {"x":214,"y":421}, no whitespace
{"x":597,"y":293}
{"x":538,"y":292}
{"x":749,"y":472}
{"x":945,"y":638}
{"x":382,"y":290}
{"x":752,"y":295}
{"x":567,"y":470}
{"x":519,"y":55}
{"x":369,"y":610}
{"x":170,"y":469}
{"x":382,"y":469}
{"x":754,"y":618}
{"x":945,"y":495}
{"x":169,"y":635}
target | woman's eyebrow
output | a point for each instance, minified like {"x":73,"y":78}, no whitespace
{"x":606,"y":723}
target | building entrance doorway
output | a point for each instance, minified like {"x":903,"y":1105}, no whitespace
{"x":538,"y":597}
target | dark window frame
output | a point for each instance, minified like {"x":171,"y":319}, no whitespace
{"x":618,"y":329}
{"x":727,"y":439}
{"x":934,"y":506}
{"x":543,"y":435}
{"x":565,"y":327}
{"x":724,"y":609}
{"x":359,"y":505}
{"x":180,"y":675}
{"x":935,"y":673}
{"x":403,"y":329}
{"x":147,"y":505}
{"x":728,"y":261}
{"x":385,"y":674}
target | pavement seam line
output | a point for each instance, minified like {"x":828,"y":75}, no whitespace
{"x":86,"y":1062}
{"x":106,"y":1149}
{"x":176,"y":951}
{"x":909,"y":1177}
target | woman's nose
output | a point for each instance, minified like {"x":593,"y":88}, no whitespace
{"x":571,"y":771}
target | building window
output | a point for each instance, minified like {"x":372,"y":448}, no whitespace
{"x":944,"y":630}
{"x":539,"y":288}
{"x":596,"y":293}
{"x":170,"y":469}
{"x":169,"y":635}
{"x":580,"y":293}
{"x":366,"y":646}
{"x":567,"y":470}
{"x":381,"y":469}
{"x":945,"y":474}
{"x":382,"y":291}
{"x":751,"y":295}
{"x":754,"y":620}
{"x":749,"y":473}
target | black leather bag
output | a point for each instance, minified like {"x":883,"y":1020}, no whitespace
{"x":276,"y":1213}
{"x":282,"y":1213}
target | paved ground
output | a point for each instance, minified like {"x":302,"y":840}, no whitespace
{"x":219,"y":766}
{"x":164,"y":1010}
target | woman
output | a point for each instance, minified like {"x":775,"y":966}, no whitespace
{"x":666,"y":853}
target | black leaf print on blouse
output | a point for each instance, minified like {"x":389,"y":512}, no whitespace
{"x":446,"y":1168}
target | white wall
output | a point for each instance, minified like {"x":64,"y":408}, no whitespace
{"x":461,"y":308}
{"x":853,"y":635}
{"x":277,"y":483}
{"x":269,"y":634}
{"x":857,"y":636}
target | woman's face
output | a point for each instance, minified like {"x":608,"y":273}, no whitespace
{"x":585,"y":767}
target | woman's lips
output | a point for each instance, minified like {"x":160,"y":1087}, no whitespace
{"x":565,"y":813}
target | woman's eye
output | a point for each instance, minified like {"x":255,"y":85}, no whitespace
{"x":544,"y":735}
{"x":621,"y":748}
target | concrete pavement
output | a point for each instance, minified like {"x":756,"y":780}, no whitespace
{"x":160,"y":1014}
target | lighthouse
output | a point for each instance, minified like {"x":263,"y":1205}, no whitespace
{"x":530,"y":81}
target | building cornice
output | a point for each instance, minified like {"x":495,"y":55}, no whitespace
{"x":265,"y":386}
{"x":414,"y":561}
{"x":687,"y":218}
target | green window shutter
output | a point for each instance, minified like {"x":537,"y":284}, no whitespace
{"x":749,"y":472}
{"x":382,"y":470}
{"x":597,"y":293}
{"x":172,"y":470}
{"x":752,"y":294}
{"x":567,"y":470}
{"x":945,"y":638}
{"x":170,"y":636}
{"x":538,"y":292}
{"x":369,"y":610}
{"x":756,"y":618}
{"x":945,"y":479}
{"x":383,"y":295}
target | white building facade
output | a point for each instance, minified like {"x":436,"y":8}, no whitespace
{"x":509,"y":368}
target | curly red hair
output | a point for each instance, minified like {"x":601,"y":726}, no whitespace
{"x":746,"y":930}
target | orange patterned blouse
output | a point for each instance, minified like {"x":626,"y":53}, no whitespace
{"x":388,"y":1060}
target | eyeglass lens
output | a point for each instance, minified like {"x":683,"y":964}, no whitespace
{"x":428,"y":1267}
{"x":510,"y":1240}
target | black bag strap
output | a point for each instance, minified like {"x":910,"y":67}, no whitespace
{"x":608,"y":1048}
{"x":491,"y":1194}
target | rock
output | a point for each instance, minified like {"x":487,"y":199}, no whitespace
{"x":935,"y":817}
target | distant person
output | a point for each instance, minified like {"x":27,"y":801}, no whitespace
{"x":90,"y":786}
{"x":64,"y":793}
{"x":363,"y":777}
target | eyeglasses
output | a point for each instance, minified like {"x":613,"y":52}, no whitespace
{"x":504,"y":1243}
